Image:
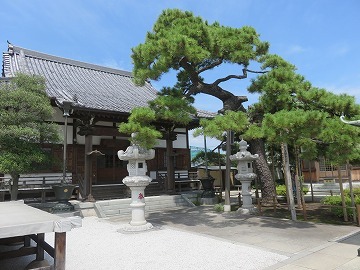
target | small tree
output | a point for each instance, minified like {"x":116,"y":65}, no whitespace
{"x":211,"y":158}
{"x":25,"y":111}
{"x":297,"y":128}
{"x":165,"y":113}
{"x":342,"y":144}
{"x":139,"y":122}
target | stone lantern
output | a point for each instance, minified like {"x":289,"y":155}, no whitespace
{"x":137,"y":181}
{"x":245,"y":175}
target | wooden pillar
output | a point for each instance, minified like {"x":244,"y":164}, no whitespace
{"x":88,"y":165}
{"x":60,"y":251}
{"x":170,"y":181}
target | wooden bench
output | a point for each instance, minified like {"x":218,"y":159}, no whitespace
{"x":32,"y":184}
{"x":184,"y":181}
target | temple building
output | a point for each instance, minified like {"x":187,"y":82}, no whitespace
{"x":100,"y":98}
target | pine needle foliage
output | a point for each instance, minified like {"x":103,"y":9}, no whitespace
{"x":25,"y":115}
{"x":139,"y":122}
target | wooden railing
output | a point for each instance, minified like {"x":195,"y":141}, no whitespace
{"x":183,"y":180}
{"x":32,"y":184}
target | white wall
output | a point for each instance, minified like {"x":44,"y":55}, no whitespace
{"x":180,"y":142}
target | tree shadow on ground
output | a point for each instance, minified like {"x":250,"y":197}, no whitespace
{"x":315,"y":212}
{"x":206,"y":216}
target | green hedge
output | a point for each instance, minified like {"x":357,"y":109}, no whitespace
{"x":337,"y":203}
{"x":281,"y":190}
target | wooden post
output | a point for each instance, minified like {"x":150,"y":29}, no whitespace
{"x":39,"y":248}
{"x":259,"y":206}
{"x":274,"y":203}
{"x":43,"y":193}
{"x":27,"y":241}
{"x":288,"y":181}
{"x":343,"y":203}
{"x":60,"y":251}
{"x":311,"y":182}
{"x":349,"y":167}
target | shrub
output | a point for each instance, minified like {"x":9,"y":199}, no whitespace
{"x":336,"y":202}
{"x":219,"y":207}
{"x":281,"y":190}
{"x":356,"y":192}
{"x":197,"y":203}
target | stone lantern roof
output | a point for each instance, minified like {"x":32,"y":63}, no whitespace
{"x":243,"y":154}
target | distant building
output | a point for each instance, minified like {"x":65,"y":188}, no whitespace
{"x":322,"y":170}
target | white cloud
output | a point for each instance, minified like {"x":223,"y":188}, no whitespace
{"x":339,"y":49}
{"x":112,"y":63}
{"x":295,"y":49}
{"x":345,"y":89}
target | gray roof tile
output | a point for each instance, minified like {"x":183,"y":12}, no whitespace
{"x":96,"y":87}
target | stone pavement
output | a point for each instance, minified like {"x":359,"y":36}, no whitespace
{"x":308,"y":245}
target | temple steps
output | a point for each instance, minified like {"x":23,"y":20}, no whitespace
{"x":120,"y":191}
{"x":108,"y":192}
{"x":119,"y":207}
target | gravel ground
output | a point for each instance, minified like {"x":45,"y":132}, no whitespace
{"x":98,"y":245}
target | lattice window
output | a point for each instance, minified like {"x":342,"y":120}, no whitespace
{"x":326,"y":166}
{"x":110,"y":161}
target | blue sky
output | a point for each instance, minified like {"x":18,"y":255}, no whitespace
{"x":320,"y":37}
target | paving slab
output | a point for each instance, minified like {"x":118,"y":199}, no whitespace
{"x":308,"y":245}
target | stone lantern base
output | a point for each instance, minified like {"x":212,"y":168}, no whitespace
{"x":137,"y":186}
{"x":137,"y":182}
{"x":128,"y":228}
{"x":209,"y":201}
{"x":247,"y":211}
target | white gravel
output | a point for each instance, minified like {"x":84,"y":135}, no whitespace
{"x":98,"y":245}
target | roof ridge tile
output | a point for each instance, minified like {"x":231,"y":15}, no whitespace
{"x":67,"y":61}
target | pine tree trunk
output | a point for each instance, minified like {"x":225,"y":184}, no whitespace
{"x":263,"y":172}
{"x":170,"y":181}
{"x":14,"y":188}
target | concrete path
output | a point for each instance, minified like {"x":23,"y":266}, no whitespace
{"x":308,"y":245}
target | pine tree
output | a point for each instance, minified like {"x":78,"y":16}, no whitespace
{"x":25,"y":111}
{"x":168,"y":111}
{"x":292,"y":112}
{"x":191,"y":46}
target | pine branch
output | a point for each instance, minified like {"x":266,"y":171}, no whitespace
{"x":229,"y":77}
{"x":257,"y":72}
{"x":210,"y":66}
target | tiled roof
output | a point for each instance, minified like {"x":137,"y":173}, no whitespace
{"x":94,"y":87}
{"x":205,"y":114}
